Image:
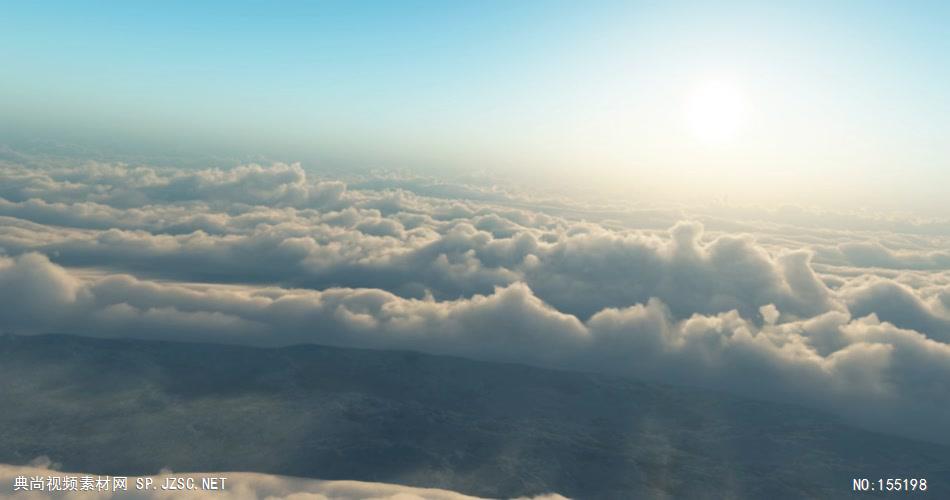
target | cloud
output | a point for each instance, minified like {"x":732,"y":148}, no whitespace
{"x":898,"y":304}
{"x":35,"y":292}
{"x":586,"y":272}
{"x":579,"y":269}
{"x":271,"y":256}
{"x":875,"y":254}
{"x":864,"y":369}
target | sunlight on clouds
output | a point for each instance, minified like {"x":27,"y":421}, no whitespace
{"x":839,"y":311}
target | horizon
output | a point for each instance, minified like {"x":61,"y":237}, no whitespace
{"x":827,"y":105}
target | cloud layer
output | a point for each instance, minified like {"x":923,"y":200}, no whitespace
{"x":853,"y":322}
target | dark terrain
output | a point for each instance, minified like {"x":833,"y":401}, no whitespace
{"x":134,"y":407}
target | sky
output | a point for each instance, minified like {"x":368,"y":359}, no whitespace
{"x":831,"y":103}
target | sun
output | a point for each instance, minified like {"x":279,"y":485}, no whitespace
{"x":715,"y":111}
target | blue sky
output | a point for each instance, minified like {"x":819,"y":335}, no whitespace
{"x":851,"y":93}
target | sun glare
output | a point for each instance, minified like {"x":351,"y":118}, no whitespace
{"x":715,"y":112}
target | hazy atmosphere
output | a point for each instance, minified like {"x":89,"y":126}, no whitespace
{"x":743,"y":199}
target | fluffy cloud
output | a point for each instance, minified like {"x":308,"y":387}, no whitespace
{"x":34,"y":292}
{"x":855,"y":323}
{"x":867,"y":370}
{"x":899,"y":304}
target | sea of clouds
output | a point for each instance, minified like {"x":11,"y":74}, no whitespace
{"x":847,"y":312}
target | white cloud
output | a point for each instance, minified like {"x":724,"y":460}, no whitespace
{"x":270,"y":256}
{"x":864,"y":369}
